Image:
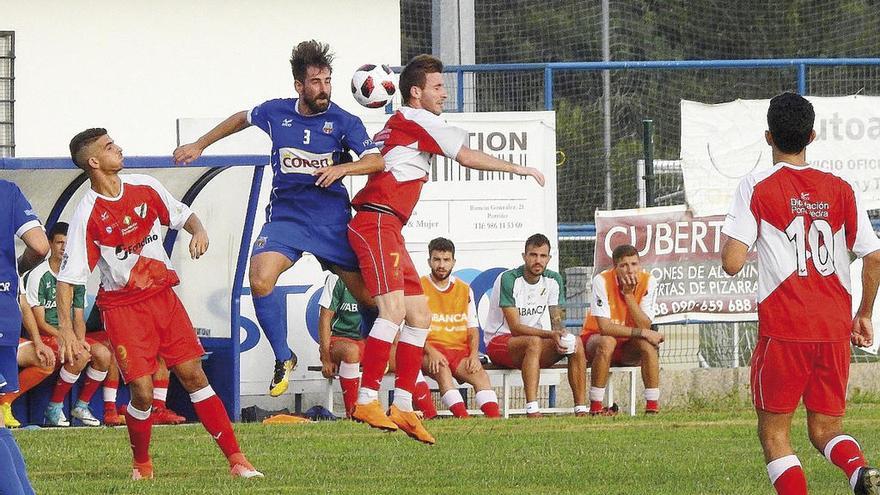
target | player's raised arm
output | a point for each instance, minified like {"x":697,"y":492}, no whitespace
{"x":234,"y":123}
{"x":478,"y":160}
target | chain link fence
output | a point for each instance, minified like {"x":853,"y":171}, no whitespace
{"x":519,"y":31}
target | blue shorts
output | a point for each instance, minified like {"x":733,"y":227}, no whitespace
{"x":328,"y":243}
{"x":8,"y":369}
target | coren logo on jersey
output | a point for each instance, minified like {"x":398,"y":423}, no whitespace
{"x":297,"y":161}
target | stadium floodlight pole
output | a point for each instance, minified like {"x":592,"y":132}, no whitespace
{"x":606,"y":102}
{"x":648,"y":145}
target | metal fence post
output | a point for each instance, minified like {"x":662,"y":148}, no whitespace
{"x":548,"y":88}
{"x":802,"y":79}
{"x":648,"y":146}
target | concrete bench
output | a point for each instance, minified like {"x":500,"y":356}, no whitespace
{"x":506,"y":378}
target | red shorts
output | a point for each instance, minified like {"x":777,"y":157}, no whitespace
{"x":154,"y":327}
{"x":498,"y":352}
{"x":453,"y":356}
{"x":360,"y":343}
{"x":783,"y":372}
{"x":381,"y":252}
{"x":101,"y":337}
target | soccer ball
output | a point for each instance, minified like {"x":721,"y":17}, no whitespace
{"x":373,"y":85}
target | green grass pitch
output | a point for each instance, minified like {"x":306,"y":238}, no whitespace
{"x":678,"y":452}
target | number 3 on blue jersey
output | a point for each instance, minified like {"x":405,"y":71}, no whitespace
{"x":307,"y":136}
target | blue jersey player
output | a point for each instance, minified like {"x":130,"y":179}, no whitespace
{"x":312,"y":145}
{"x":17,"y":219}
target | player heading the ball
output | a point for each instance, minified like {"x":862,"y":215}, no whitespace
{"x":414,"y":134}
{"x":312,"y":145}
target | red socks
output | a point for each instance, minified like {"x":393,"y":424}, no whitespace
{"x":349,"y":380}
{"x":94,"y":378}
{"x":377,"y":350}
{"x":139,"y":425}
{"x":209,"y":408}
{"x":844,"y":452}
{"x":487,"y":401}
{"x":422,"y":399}
{"x":787,"y":476}
{"x":66,"y":380}
{"x":28,"y":378}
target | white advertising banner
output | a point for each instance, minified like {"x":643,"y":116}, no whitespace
{"x":488,"y":216}
{"x":722,"y":143}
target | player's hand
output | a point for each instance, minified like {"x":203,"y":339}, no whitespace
{"x":328,"y":175}
{"x":329,"y":368}
{"x":187,"y":153}
{"x":627,"y":283}
{"x":533,"y":172}
{"x":653,"y":337}
{"x":435,"y":362}
{"x":472,"y":364}
{"x":45,"y":356}
{"x":198,"y":245}
{"x":862,"y":334}
{"x":69,"y":347}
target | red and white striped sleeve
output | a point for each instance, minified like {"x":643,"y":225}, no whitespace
{"x":860,"y":236}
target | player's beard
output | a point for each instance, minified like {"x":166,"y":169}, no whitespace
{"x":438,"y":277}
{"x":315,"y":106}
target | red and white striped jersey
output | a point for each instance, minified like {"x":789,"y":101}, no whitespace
{"x":409,"y":140}
{"x":804,"y":222}
{"x":122,"y":236}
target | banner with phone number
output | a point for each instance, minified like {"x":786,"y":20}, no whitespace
{"x":684,"y":254}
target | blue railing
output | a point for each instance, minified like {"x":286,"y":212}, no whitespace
{"x":802,"y":64}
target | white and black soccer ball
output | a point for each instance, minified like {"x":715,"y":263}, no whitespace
{"x":373,"y":86}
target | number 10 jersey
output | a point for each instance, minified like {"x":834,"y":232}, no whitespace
{"x":804,"y":223}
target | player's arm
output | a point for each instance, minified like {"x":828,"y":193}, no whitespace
{"x":733,"y":255}
{"x":863,"y":329}
{"x":478,"y":160}
{"x":68,"y":344}
{"x":44,"y":355}
{"x":511,"y":316}
{"x":369,"y":163}
{"x":325,"y":318}
{"x":628,"y":285}
{"x":611,"y":329}
{"x":189,"y":152}
{"x":36,"y":248}
{"x":198,"y":245}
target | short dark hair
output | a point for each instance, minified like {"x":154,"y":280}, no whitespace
{"x":310,"y":54}
{"x":537,"y":240}
{"x":790,"y":118}
{"x":81,"y":141}
{"x":60,"y":228}
{"x":623,"y":251}
{"x":414,"y":74}
{"x":441,"y":244}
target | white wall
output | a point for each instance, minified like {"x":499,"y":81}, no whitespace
{"x":135,"y":67}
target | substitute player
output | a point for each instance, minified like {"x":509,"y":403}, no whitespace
{"x":312,"y":142}
{"x":117,"y":227}
{"x":617,"y":330}
{"x":805,"y":223}
{"x":41,"y":288}
{"x":524,"y":327}
{"x":411,"y":137}
{"x":453,"y":344}
{"x":17,"y":219}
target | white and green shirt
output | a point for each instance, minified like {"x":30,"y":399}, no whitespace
{"x":40,"y":286}
{"x":532,"y":301}
{"x":346,"y":321}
